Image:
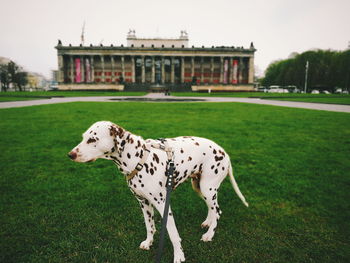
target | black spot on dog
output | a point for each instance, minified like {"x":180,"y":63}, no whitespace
{"x":189,"y":158}
{"x":217,"y":158}
{"x":182,"y":151}
{"x":156,"y":158}
{"x":128,"y":155}
{"x":91,"y":140}
{"x":123,"y":143}
{"x":214,"y":152}
{"x":146,"y":166}
{"x":151,"y":171}
{"x":212,"y":167}
{"x":216,"y":171}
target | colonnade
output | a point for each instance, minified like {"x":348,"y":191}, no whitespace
{"x":155,"y":69}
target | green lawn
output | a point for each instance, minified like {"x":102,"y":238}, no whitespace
{"x":292,"y":165}
{"x":345,"y":100}
{"x":314,"y":98}
{"x":17,"y":96}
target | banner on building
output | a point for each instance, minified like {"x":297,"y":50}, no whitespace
{"x":234,"y":71}
{"x":77,"y":70}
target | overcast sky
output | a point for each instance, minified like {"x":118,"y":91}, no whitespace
{"x":29,"y":30}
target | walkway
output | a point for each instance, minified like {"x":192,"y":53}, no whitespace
{"x":159,"y":96}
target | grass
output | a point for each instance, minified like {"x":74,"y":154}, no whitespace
{"x":314,"y":98}
{"x":292,"y":165}
{"x":26,"y":95}
{"x":344,"y":100}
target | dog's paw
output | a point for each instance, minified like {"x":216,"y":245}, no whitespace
{"x":179,"y":257}
{"x":145,"y":245}
{"x":206,"y":224}
{"x":207,"y":237}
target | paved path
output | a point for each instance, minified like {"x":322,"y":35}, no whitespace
{"x":158,"y":96}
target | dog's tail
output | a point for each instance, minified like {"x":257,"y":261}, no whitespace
{"x":235,"y":186}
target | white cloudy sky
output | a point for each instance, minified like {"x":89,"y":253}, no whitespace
{"x":29,"y":29}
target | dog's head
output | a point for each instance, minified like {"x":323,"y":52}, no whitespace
{"x":98,"y":141}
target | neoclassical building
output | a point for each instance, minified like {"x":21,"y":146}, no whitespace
{"x":148,"y":63}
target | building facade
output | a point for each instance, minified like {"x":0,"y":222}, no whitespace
{"x":155,"y":62}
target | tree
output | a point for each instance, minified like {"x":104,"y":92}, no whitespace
{"x":327,"y":70}
{"x":4,"y":77}
{"x":12,"y":73}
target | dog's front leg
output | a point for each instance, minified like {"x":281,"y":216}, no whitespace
{"x":179,"y":255}
{"x":148,"y":213}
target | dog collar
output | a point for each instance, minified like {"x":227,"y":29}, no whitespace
{"x":140,"y":164}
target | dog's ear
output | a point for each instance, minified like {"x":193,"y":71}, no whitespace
{"x":116,"y":131}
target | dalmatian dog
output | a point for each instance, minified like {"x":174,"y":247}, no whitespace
{"x":202,"y":160}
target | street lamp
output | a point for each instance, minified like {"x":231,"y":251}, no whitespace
{"x":306,"y":72}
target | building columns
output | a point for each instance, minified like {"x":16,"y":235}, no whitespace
{"x":103,"y":68}
{"x":123,"y":66}
{"x":192,"y":68}
{"x":221,"y":70}
{"x":163,"y":71}
{"x":132,"y":69}
{"x":153,"y":79}
{"x":182,"y":70}
{"x":211,"y":69}
{"x":240,"y":70}
{"x":82,"y":70}
{"x":60,"y":69}
{"x":172,"y":72}
{"x":202,"y":69}
{"x":143,"y":69}
{"x":92,"y":69}
{"x":113,"y":70}
{"x":251,"y":70}
{"x":71,"y":64}
{"x":230,"y":75}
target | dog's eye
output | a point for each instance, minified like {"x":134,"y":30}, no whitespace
{"x":91,"y":140}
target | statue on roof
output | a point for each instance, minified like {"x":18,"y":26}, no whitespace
{"x":132,"y":33}
{"x":184,"y":34}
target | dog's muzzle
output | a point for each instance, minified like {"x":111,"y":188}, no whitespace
{"x":72,"y":155}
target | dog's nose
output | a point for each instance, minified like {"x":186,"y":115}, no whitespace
{"x":72,"y":155}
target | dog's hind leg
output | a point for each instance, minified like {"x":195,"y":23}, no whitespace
{"x":209,"y":185}
{"x":148,"y":213}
